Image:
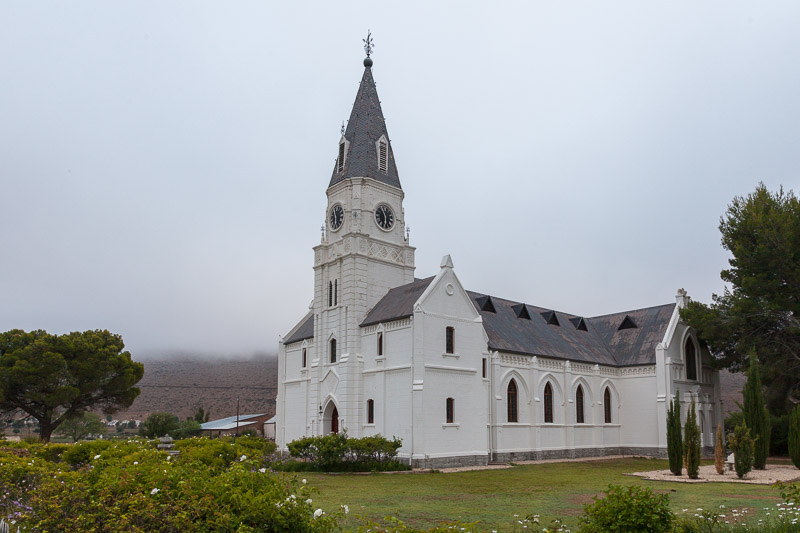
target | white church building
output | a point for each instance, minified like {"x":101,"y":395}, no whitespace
{"x":464,"y":377}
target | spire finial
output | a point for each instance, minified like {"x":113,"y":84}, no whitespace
{"x":368,"y":46}
{"x":343,"y":127}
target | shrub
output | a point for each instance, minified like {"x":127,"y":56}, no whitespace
{"x":794,"y":436}
{"x":337,"y":452}
{"x":158,"y":424}
{"x":779,"y":435}
{"x":719,"y":452}
{"x":742,"y":446}
{"x":627,"y":510}
{"x":691,"y":435}
{"x":674,"y":440}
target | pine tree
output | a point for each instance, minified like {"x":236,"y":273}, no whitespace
{"x":674,"y":441}
{"x":794,"y":436}
{"x":719,"y":452}
{"x":691,"y":436}
{"x":756,"y":416}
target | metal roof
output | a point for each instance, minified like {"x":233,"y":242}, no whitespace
{"x":302,"y":331}
{"x":229,"y":422}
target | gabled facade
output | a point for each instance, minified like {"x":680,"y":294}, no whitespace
{"x":464,"y":377}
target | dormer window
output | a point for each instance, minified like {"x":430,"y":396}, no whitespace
{"x":340,"y":159}
{"x":383,"y":154}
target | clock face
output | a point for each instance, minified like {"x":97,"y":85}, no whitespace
{"x":384,"y":217}
{"x":336,"y":217}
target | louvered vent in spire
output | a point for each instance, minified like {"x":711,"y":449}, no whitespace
{"x":521,"y":310}
{"x":550,"y":317}
{"x":485,"y":304}
{"x":627,"y":323}
{"x":340,"y":161}
{"x":579,"y":323}
{"x":382,"y":157}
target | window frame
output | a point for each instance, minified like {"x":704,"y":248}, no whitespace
{"x":380,"y":344}
{"x":580,"y":414}
{"x":690,"y":359}
{"x":332,"y":350}
{"x":450,"y":340}
{"x":548,"y":403}
{"x":607,"y":418}
{"x":370,"y":411}
{"x":512,"y":402}
{"x":450,"y":411}
{"x":304,"y":358}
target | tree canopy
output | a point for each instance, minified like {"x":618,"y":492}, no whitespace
{"x":58,"y":377}
{"x":760,"y":310}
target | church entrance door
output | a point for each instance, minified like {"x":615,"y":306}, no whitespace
{"x":335,"y":420}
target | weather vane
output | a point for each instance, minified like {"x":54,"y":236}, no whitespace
{"x":343,"y":127}
{"x":368,"y":44}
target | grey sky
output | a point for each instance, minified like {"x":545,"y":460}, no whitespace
{"x":164,"y":164}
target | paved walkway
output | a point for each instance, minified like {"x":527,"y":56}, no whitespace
{"x":498,"y":466}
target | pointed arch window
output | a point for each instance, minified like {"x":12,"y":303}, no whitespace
{"x":380,"y":343}
{"x":340,"y":159}
{"x":304,"y":358}
{"x":333,"y":350}
{"x":336,"y":292}
{"x":450,"y":339}
{"x":511,"y":398}
{"x":383,"y":149}
{"x":548,"y":404}
{"x":450,"y":411}
{"x":330,"y":294}
{"x":607,"y":406}
{"x":691,"y":359}
{"x":370,"y":411}
{"x":579,"y":417}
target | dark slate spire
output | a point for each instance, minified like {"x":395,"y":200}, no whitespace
{"x":365,"y":127}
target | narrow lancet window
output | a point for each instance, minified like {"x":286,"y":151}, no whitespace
{"x":691,"y":360}
{"x":607,"y":406}
{"x":548,"y":404}
{"x":380,"y":344}
{"x":304,"y":357}
{"x":333,"y":350}
{"x":450,"y":340}
{"x":370,"y":411}
{"x":450,"y":407}
{"x":336,"y":292}
{"x":511,"y":396}
{"x":579,"y":405}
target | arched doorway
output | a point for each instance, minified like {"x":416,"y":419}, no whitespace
{"x":330,"y":419}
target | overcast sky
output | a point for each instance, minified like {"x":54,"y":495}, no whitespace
{"x":164,"y":164}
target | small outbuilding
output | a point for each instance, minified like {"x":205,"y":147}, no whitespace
{"x":232,"y":425}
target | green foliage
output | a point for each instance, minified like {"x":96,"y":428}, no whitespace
{"x":762,"y":232}
{"x":57,"y":377}
{"x":186,"y":429}
{"x":221,"y":453}
{"x":337,"y":452}
{"x":719,"y":452}
{"x":794,"y":437}
{"x":779,"y":435}
{"x":201,"y":415}
{"x":82,"y":426}
{"x":627,"y":510}
{"x":674,"y":438}
{"x":741,"y":444}
{"x":132,"y":487}
{"x":756,"y":416}
{"x":735,"y":418}
{"x":158,"y":424}
{"x":691,"y":436}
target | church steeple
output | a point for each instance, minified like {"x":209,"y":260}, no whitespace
{"x":365,"y":150}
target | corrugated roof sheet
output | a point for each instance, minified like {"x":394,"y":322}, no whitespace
{"x":634,"y":346}
{"x":229,"y":422}
{"x":398,"y":302}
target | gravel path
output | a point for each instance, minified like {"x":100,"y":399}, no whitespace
{"x":772,"y":474}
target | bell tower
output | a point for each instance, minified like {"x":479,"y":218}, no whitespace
{"x":364,"y":250}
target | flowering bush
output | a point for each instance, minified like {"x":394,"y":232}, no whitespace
{"x":337,"y":452}
{"x":130,"y":486}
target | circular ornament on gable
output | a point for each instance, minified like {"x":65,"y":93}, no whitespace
{"x":384,"y":217}
{"x":449,"y":289}
{"x":336,"y":217}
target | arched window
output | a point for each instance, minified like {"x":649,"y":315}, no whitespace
{"x":450,"y":408}
{"x":691,"y":359}
{"x":548,"y":404}
{"x":304,"y":357}
{"x":336,"y":292}
{"x":333,"y":350}
{"x":511,"y":398}
{"x":607,"y":405}
{"x":450,"y":340}
{"x":579,"y":405}
{"x":370,"y":411}
{"x":330,"y":294}
{"x":380,"y":343}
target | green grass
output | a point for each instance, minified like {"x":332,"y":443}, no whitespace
{"x":493,"y":497}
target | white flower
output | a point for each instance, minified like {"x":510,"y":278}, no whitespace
{"x":304,"y":481}
{"x":346,"y":509}
{"x":242,"y":458}
{"x":154,"y":491}
{"x":97,"y":456}
{"x":309,"y":502}
{"x":136,"y":462}
{"x":262,"y":470}
{"x":318,"y":513}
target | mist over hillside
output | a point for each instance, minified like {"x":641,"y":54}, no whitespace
{"x":180,"y":383}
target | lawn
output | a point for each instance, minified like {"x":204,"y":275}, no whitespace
{"x":493,"y":497}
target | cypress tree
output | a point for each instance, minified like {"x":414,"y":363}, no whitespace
{"x":756,"y":416}
{"x":691,"y":436}
{"x":794,"y":436}
{"x":719,"y":452}
{"x":742,"y":446}
{"x":674,"y":441}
